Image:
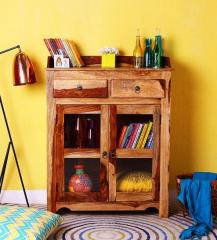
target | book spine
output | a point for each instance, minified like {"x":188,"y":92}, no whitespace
{"x":48,"y":47}
{"x":54,"y":46}
{"x":137,"y":135}
{"x":69,"y":52}
{"x":123,"y":132}
{"x":133,"y":135}
{"x":150,"y":136}
{"x":77,"y":54}
{"x":138,"y":146}
{"x":64,"y":50}
{"x":146,"y":134}
{"x":126,"y":139}
{"x":61,"y":50}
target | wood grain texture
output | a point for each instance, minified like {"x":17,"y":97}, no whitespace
{"x":134,"y":153}
{"x":80,"y":88}
{"x":81,"y":153}
{"x":110,"y":206}
{"x":136,"y":109}
{"x":165,"y":151}
{"x":137,"y":88}
{"x":129,"y":101}
{"x":59,"y":156}
{"x":51,"y":120}
{"x":104,"y":153}
{"x":112,"y":149}
{"x":156,"y":153}
{"x":133,"y":196}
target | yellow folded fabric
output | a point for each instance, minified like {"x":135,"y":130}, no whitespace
{"x":137,"y":181}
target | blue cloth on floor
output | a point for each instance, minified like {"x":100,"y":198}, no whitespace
{"x":195,"y":195}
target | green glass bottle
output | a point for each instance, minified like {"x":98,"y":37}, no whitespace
{"x":137,"y":53}
{"x":158,"y":52}
{"x":148,"y":54}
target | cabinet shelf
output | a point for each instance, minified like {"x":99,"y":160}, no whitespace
{"x":134,"y":153}
{"x":82,"y":153}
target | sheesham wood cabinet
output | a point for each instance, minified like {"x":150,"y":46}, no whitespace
{"x":112,"y":98}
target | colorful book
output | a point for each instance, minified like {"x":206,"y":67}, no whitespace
{"x":69,"y":52}
{"x":132,"y":135}
{"x":123,"y":131}
{"x":49,"y":47}
{"x":146,"y":134}
{"x":150,"y":136}
{"x":139,"y":144}
{"x":76,"y":54}
{"x":137,"y":135}
{"x":127,"y":136}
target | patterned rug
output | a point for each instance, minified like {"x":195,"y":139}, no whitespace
{"x":125,"y":226}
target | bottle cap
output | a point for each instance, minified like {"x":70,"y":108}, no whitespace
{"x":148,"y":41}
{"x":79,"y":166}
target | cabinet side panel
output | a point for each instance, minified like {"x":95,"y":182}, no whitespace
{"x":51,"y":120}
{"x":165,"y":150}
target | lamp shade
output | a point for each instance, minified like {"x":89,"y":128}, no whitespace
{"x":23,"y":70}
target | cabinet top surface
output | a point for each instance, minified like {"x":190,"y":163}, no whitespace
{"x":122,"y":68}
{"x":123,"y":64}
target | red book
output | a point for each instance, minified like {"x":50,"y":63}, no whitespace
{"x":133,"y":135}
{"x":123,"y":131}
{"x":48,"y":47}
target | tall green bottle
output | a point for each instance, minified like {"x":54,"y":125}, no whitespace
{"x":158,"y":52}
{"x":148,"y":54}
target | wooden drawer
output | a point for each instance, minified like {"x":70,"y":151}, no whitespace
{"x":80,"y":88}
{"x":137,"y":88}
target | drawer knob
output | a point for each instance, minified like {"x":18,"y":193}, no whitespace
{"x":137,"y":89}
{"x":79,"y":87}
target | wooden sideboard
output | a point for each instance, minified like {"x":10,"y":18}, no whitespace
{"x":112,"y":97}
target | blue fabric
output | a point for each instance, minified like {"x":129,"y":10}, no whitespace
{"x":208,"y":176}
{"x":195,"y":195}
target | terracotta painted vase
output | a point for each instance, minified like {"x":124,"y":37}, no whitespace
{"x":80,"y":181}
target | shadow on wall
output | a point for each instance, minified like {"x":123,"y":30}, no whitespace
{"x":181,"y":157}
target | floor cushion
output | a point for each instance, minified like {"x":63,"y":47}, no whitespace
{"x":26,"y":223}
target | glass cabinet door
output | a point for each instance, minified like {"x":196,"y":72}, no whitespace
{"x":134,"y":147}
{"x":81,"y":166}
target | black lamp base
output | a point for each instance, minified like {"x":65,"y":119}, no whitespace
{"x":10,"y":145}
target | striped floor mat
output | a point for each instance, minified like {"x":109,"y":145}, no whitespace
{"x":83,"y":226}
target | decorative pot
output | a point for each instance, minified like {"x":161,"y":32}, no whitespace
{"x":80,"y":181}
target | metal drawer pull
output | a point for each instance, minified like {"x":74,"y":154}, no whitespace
{"x":79,"y":87}
{"x":137,"y":89}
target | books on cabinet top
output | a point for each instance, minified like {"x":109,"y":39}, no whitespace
{"x":66,"y":48}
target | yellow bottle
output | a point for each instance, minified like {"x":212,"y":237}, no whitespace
{"x":137,"y":53}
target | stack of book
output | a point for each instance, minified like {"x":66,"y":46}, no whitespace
{"x":136,"y":136}
{"x":66,"y":48}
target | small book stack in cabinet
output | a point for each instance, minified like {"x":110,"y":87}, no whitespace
{"x":112,"y":98}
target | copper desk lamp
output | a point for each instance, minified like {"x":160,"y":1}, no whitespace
{"x":23,"y":74}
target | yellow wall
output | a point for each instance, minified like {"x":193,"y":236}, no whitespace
{"x":189,"y":30}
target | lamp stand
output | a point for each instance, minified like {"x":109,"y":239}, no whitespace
{"x":10,"y":145}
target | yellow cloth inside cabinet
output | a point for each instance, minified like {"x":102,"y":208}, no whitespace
{"x":136,"y":181}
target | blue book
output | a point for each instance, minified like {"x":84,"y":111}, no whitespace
{"x":150,"y":137}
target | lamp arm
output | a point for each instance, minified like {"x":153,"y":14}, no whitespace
{"x":9,"y":49}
